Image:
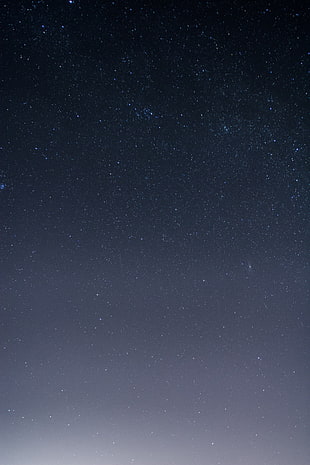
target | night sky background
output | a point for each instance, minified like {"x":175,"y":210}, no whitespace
{"x":153,"y":246}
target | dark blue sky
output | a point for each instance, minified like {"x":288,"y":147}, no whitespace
{"x":153,"y":195}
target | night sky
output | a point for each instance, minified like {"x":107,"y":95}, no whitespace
{"x":153,"y":246}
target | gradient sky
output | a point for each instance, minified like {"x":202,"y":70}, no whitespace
{"x":153,"y":246}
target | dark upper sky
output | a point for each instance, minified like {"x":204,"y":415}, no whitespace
{"x":153,"y":204}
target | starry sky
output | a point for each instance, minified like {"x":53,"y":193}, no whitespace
{"x":153,"y":245}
